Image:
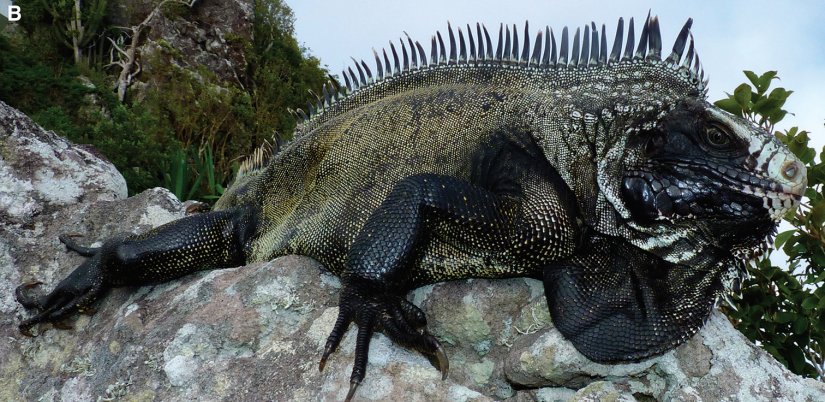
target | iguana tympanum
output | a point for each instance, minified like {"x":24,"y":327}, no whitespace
{"x":605,"y":174}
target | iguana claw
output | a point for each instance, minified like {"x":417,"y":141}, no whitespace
{"x":328,"y":349}
{"x":353,"y":385}
{"x":443,"y":363}
{"x":397,"y":318}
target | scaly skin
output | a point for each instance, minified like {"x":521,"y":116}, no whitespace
{"x":610,"y":178}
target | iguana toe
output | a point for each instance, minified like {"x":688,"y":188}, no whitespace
{"x":75,"y":293}
{"x":54,"y":308}
{"x":24,"y":299}
{"x":398,"y":319}
{"x":66,"y":239}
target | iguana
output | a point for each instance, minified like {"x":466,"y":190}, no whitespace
{"x":607,"y":175}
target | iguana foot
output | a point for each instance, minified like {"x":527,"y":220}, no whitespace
{"x":76,"y":293}
{"x":397,"y":318}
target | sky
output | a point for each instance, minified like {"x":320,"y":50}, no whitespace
{"x":4,"y":7}
{"x":731,"y":36}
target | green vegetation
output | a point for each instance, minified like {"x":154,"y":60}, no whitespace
{"x":784,"y":309}
{"x":183,"y":128}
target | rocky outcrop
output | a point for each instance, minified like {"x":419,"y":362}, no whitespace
{"x":40,"y":171}
{"x":257,"y":332}
{"x":211,"y":36}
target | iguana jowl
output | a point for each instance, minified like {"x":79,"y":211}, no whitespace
{"x":605,"y":174}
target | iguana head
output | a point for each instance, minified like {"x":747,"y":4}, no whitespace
{"x":696,"y":183}
{"x":675,"y":175}
{"x":699,"y":167}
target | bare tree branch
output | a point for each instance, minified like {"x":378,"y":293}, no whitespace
{"x":130,"y":68}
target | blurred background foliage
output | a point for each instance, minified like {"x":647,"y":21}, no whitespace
{"x":783,"y":309}
{"x":188,"y":130}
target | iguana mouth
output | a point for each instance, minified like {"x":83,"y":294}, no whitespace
{"x":777,"y":197}
{"x":694,"y":189}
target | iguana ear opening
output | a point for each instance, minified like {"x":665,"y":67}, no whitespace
{"x":618,"y":304}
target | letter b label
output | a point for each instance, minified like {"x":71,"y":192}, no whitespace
{"x":14,"y":13}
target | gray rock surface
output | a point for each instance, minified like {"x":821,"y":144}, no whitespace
{"x":257,"y":332}
{"x":206,"y":39}
{"x":209,"y":37}
{"x":40,"y":170}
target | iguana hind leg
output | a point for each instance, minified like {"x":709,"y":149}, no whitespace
{"x":205,"y":241}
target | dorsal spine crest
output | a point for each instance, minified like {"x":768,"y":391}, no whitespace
{"x":587,"y":51}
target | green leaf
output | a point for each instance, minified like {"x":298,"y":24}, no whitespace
{"x":819,"y":260}
{"x":798,"y":144}
{"x":810,"y":302}
{"x":194,"y":189}
{"x":784,"y":317}
{"x":779,"y":94}
{"x":767,"y":106}
{"x":742,"y":95}
{"x":818,"y":326}
{"x":777,"y":116}
{"x":816,"y":175}
{"x":764,"y":81}
{"x":178,"y":174}
{"x":800,"y":325}
{"x":817,"y":216}
{"x":782,"y":238}
{"x":729,"y":105}
{"x":752,"y":77}
{"x":820,"y":277}
{"x":797,"y":358}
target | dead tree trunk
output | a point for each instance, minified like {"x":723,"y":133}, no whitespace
{"x":127,"y":58}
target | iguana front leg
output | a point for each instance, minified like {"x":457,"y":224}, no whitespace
{"x":380,"y":265}
{"x":618,"y":304}
{"x":205,"y":241}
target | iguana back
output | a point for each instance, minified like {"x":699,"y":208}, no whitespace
{"x":443,"y":117}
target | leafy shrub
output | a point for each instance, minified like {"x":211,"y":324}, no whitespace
{"x":205,"y":184}
{"x":784,"y":310}
{"x":33,"y":85}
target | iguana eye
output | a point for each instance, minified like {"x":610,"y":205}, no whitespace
{"x":716,"y":137}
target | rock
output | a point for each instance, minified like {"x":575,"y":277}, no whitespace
{"x":719,"y":363}
{"x":211,"y":36}
{"x":602,"y":391}
{"x":41,"y":171}
{"x":257,"y":332}
{"x":554,"y":394}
